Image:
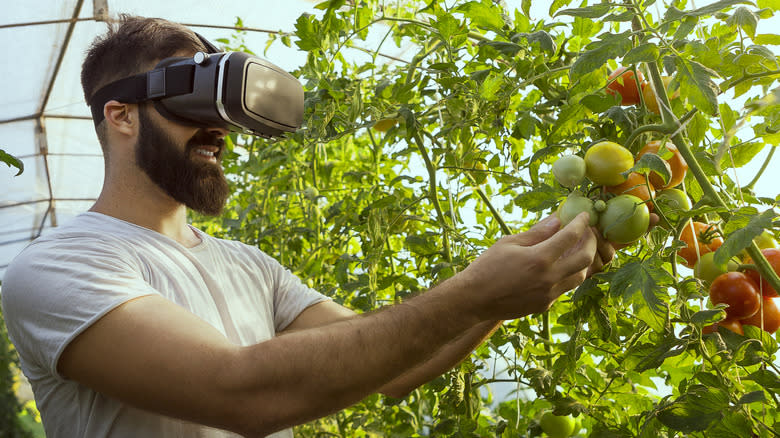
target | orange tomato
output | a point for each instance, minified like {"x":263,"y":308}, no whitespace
{"x":699,"y":235}
{"x":650,"y":97}
{"x":677,"y":164}
{"x":624,"y":85}
{"x":636,"y":184}
{"x":770,"y":313}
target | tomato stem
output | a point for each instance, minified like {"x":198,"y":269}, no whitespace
{"x":762,"y":169}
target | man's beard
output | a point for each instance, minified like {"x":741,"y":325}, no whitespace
{"x":200,"y":185}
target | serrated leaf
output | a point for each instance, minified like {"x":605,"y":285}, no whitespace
{"x":674,"y":14}
{"x":643,"y":357}
{"x":598,"y":55}
{"x":556,"y":5}
{"x":647,"y":281}
{"x":506,"y":48}
{"x":740,"y":155}
{"x":734,"y":424}
{"x":12,"y":161}
{"x":595,"y":11}
{"x":695,"y":410}
{"x":696,"y":84}
{"x":767,"y":379}
{"x":745,"y":19}
{"x":744,"y":226}
{"x":647,"y":52}
{"x":752,"y":397}
{"x":546,"y":42}
{"x":539,"y":199}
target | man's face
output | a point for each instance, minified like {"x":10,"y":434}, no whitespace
{"x":187,"y":173}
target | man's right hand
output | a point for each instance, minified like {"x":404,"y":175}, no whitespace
{"x":525,"y":273}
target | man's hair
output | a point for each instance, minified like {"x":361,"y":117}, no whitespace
{"x":132,"y":45}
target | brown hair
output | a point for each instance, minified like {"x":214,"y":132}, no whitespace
{"x":132,"y":45}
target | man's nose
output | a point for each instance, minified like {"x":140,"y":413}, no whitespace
{"x":219,"y":132}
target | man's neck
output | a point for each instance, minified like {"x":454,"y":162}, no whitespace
{"x":144,"y":204}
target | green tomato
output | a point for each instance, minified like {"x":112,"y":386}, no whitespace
{"x":605,"y":163}
{"x":625,"y":220}
{"x":575,"y":204}
{"x":557,"y":426}
{"x":311,"y":193}
{"x":569,"y":171}
{"x":764,"y":240}
{"x":671,"y":202}
{"x":706,"y":269}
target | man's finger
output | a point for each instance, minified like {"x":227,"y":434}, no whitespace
{"x":539,"y":232}
{"x":572,"y":248}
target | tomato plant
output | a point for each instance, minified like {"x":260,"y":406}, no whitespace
{"x":516,"y":90}
{"x":622,"y":82}
{"x":606,"y":161}
{"x":699,"y":238}
{"x":738,"y":292}
{"x":773,"y":256}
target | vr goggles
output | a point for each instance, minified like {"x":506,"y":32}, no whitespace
{"x":232,"y":90}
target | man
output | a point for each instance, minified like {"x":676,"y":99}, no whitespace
{"x":131,"y":323}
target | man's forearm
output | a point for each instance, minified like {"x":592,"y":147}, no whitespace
{"x":311,"y":373}
{"x":442,"y":361}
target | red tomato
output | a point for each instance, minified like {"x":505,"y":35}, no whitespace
{"x":650,"y":97}
{"x":732,"y":324}
{"x":707,"y":240}
{"x":773,"y":257}
{"x":625,"y":85}
{"x":770,"y":312}
{"x":676,"y":162}
{"x":739,"y":292}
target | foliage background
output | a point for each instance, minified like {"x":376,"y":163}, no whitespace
{"x":489,"y":100}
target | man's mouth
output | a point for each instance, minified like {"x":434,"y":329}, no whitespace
{"x":208,"y":152}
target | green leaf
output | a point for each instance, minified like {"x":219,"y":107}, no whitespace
{"x":650,"y":162}
{"x":745,"y":19}
{"x":540,"y":199}
{"x":12,"y":161}
{"x":647,"y":52}
{"x":557,"y":4}
{"x":767,"y":39}
{"x":482,"y":15}
{"x":740,"y":155}
{"x":595,"y":11}
{"x":695,"y":410}
{"x":647,"y":281}
{"x":770,"y":4}
{"x":734,"y":424}
{"x":752,"y":397}
{"x":744,"y":226}
{"x":600,"y":102}
{"x":673,"y":14}
{"x":696,"y":84}
{"x":709,"y":316}
{"x":646,"y":356}
{"x":599,"y":53}
{"x":767,"y":379}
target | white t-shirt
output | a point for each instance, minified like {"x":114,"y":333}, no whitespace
{"x":69,"y":278}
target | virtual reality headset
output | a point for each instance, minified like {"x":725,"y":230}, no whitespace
{"x":232,"y":90}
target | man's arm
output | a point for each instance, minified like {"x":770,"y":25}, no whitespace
{"x":453,"y":352}
{"x":155,"y":355}
{"x":441,"y":360}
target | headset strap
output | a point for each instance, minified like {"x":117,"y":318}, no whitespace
{"x":156,"y":84}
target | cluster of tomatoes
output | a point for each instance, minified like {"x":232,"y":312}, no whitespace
{"x":749,"y":297}
{"x":621,"y":210}
{"x":623,"y":83}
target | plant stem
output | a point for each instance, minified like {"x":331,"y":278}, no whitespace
{"x":433,"y":195}
{"x":762,"y":169}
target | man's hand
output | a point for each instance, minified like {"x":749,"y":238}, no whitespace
{"x":525,"y":273}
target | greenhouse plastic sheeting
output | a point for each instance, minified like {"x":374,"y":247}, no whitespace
{"x":43,"y":118}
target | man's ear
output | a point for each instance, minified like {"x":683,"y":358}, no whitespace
{"x":121,"y":117}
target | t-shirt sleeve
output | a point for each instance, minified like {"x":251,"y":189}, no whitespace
{"x":55,"y":290}
{"x":290,"y":295}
